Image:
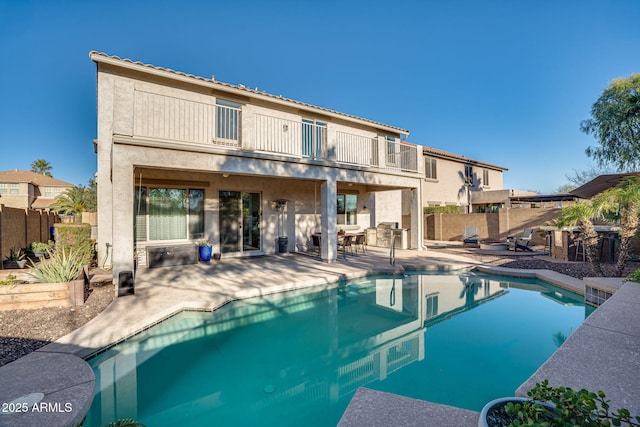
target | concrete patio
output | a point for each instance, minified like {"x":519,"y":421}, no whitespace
{"x":162,"y":292}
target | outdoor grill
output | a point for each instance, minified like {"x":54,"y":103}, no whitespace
{"x":384,"y":232}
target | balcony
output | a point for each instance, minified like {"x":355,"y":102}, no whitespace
{"x":228,"y":126}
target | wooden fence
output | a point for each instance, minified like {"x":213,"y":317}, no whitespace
{"x":21,"y":227}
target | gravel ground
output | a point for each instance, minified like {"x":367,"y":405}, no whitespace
{"x":24,"y":331}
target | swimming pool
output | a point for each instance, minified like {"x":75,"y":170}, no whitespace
{"x":296,"y":358}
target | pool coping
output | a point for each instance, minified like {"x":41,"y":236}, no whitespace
{"x":101,"y":332}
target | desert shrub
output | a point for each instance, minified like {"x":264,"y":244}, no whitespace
{"x":64,"y":265}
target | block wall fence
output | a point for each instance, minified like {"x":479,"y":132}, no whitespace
{"x":490,"y":226}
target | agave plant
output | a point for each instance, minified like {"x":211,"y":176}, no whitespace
{"x":64,"y":265}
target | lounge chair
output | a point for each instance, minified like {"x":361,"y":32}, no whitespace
{"x":470,"y":237}
{"x":520,"y":241}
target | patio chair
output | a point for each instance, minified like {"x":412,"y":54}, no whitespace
{"x":344,"y":243}
{"x":470,"y":236}
{"x":360,"y":242}
{"x":521,"y":241}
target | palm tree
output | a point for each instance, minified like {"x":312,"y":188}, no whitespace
{"x":74,"y":201}
{"x":582,"y":214}
{"x":624,"y":202}
{"x":42,"y":167}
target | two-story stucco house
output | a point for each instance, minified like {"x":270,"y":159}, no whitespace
{"x":183,"y":158}
{"x":454,"y":180}
{"x":30,"y":190}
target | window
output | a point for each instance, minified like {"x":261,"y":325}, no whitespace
{"x":347,"y":209}
{"x":432,"y":305}
{"x":227,"y":120}
{"x":14,"y":189}
{"x":4,"y":188}
{"x":485,"y":177}
{"x":52,"y":192}
{"x":468,"y":174}
{"x":314,"y":135}
{"x":430,"y":169}
{"x":168,"y":214}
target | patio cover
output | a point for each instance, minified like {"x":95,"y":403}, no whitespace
{"x":600,"y":183}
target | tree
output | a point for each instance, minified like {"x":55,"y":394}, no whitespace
{"x":582,"y":214}
{"x":580,"y":177}
{"x":615,"y":123}
{"x":75,"y":200}
{"x":619,"y":205}
{"x":624,"y":201}
{"x":41,"y":166}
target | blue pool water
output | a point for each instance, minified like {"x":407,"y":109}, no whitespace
{"x":297,"y":358}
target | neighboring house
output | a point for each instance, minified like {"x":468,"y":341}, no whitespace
{"x":452,"y":180}
{"x":183,"y":158}
{"x":30,"y":190}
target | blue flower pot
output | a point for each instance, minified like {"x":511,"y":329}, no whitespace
{"x":205,"y":253}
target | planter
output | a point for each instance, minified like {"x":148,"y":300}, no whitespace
{"x":39,"y":295}
{"x":15,"y":264}
{"x":217,"y":256}
{"x":493,"y":414}
{"x":283,"y":245}
{"x":204,"y":253}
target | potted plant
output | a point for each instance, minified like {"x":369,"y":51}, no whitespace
{"x":555,"y":406}
{"x":204,"y":250}
{"x":41,"y":249}
{"x":15,"y":259}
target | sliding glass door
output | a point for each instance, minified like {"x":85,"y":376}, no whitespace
{"x":239,"y":221}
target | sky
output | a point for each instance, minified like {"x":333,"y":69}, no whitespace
{"x":505,"y":82}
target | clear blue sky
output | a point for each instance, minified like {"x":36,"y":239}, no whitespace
{"x":502,"y":81}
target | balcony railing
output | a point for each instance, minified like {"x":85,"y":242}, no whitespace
{"x":356,"y":149}
{"x":277,"y":135}
{"x":227,"y":126}
{"x":164,"y":117}
{"x":402,"y":156}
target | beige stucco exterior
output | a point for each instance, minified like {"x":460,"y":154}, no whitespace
{"x":448,"y":188}
{"x":157,"y":127}
{"x":29,"y":190}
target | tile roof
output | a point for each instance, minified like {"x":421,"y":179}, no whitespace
{"x":98,"y":56}
{"x":32,"y":177}
{"x":452,"y":156}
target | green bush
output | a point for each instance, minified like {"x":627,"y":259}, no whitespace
{"x":442,"y":209}
{"x":76,"y":236}
{"x":633,"y":277}
{"x":9,"y":281}
{"x":572,"y":408}
{"x":63,"y":265}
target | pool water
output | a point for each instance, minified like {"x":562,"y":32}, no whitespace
{"x":297,"y":358}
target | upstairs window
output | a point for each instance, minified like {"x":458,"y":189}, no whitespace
{"x":14,"y":189}
{"x":430,"y":168}
{"x":51,"y":192}
{"x":468,"y":174}
{"x":4,"y":188}
{"x":227,"y":121}
{"x":485,"y":177}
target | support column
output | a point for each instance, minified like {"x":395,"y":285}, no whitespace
{"x":122,"y":211}
{"x":417,"y":220}
{"x":328,"y":211}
